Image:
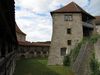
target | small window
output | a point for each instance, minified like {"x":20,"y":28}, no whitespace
{"x":69,"y":31}
{"x":68,"y":18}
{"x":63,"y":51}
{"x":69,"y":42}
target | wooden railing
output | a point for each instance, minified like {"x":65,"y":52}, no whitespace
{"x":87,"y":24}
{"x":6,"y":63}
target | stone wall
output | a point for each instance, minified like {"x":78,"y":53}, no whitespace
{"x":20,"y":37}
{"x":97,"y":50}
{"x":81,"y":66}
{"x":60,"y":36}
{"x":33,"y":51}
{"x":98,"y":29}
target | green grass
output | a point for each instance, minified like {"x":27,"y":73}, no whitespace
{"x":39,"y":67}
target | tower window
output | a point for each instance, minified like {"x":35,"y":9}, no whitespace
{"x":69,"y":42}
{"x":68,"y":18}
{"x":63,"y":51}
{"x":69,"y":31}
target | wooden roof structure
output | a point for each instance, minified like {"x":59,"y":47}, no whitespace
{"x":71,"y":8}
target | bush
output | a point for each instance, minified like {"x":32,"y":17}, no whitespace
{"x":74,"y":52}
{"x":94,"y":66}
{"x":94,"y":39}
{"x":66,"y":61}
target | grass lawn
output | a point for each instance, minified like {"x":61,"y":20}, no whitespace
{"x":39,"y":67}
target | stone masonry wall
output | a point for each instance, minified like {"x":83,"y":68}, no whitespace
{"x":20,"y":37}
{"x":97,"y":50}
{"x":82,"y":64}
{"x":98,"y":29}
{"x":60,"y":36}
{"x":32,"y":51}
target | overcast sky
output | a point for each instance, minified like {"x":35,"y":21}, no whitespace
{"x":33,"y":16}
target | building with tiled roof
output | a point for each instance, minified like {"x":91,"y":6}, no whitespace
{"x":72,"y":8}
{"x":29,"y":50}
{"x":70,"y":24}
{"x":21,"y":36}
{"x":97,"y":22}
{"x":35,"y":49}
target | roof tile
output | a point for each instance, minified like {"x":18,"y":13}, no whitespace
{"x":71,"y":8}
{"x":26,"y":43}
{"x":18,"y":30}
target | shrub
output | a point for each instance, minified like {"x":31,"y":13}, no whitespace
{"x":74,"y":52}
{"x":94,"y":38}
{"x":66,"y":61}
{"x":94,"y":66}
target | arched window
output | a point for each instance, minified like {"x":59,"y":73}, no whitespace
{"x":44,"y":52}
{"x":38,"y":53}
{"x":31,"y":52}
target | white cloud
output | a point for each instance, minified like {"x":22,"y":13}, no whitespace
{"x":94,"y":7}
{"x":33,"y":17}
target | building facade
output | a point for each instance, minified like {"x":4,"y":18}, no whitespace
{"x":33,"y":50}
{"x":20,"y":35}
{"x":70,"y":24}
{"x":97,"y":22}
{"x":30,"y":50}
{"x":8,"y":40}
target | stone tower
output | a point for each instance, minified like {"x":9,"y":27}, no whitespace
{"x":69,"y":27}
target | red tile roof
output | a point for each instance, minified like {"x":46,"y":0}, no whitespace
{"x":26,"y":43}
{"x":40,"y":44}
{"x":71,"y":8}
{"x":19,"y":31}
{"x":97,"y":20}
